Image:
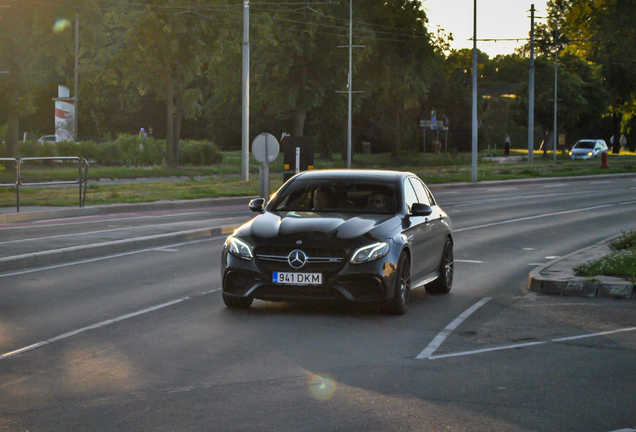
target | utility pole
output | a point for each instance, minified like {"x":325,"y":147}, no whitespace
{"x":475,"y":125}
{"x":246,"y":93}
{"x":350,"y":83}
{"x":76,"y":83}
{"x":556,"y":60}
{"x":531,"y":91}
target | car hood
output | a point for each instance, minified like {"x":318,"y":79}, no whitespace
{"x":341,"y":226}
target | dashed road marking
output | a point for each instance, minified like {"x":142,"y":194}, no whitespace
{"x":523,"y":219}
{"x":469,"y":261}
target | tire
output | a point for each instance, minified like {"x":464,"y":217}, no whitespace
{"x":237,"y":302}
{"x":443,"y":284}
{"x":402,"y":291}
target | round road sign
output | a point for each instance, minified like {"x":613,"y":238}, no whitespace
{"x":265,"y":148}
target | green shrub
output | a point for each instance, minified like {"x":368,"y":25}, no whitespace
{"x":89,"y":150}
{"x":627,"y":240}
{"x":28,"y":149}
{"x":108,"y":154}
{"x":199,"y":153}
{"x":67,"y":148}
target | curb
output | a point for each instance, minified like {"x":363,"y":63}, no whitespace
{"x":576,"y":286}
{"x":90,"y":251}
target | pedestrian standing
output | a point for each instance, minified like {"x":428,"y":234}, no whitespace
{"x":507,"y":145}
{"x":142,"y":133}
{"x":623,"y":142}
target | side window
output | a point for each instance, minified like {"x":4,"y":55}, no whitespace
{"x":409,"y":195}
{"x":420,"y":190}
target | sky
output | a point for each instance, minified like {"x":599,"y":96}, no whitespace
{"x":496,"y":19}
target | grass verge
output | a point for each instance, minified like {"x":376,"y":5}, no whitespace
{"x":621,"y":262}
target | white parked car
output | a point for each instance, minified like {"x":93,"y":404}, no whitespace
{"x":587,"y":148}
{"x":47,"y":139}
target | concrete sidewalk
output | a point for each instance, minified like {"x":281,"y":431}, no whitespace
{"x":557,"y":277}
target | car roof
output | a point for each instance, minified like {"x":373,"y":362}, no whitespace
{"x":385,"y":175}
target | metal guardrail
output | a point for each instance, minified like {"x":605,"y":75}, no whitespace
{"x":82,"y":178}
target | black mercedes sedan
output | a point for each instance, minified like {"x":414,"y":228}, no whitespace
{"x":350,"y":235}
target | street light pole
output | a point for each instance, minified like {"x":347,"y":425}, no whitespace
{"x":556,"y":60}
{"x":475,"y":125}
{"x":531,"y":91}
{"x":350,"y":83}
{"x":76,"y":83}
{"x":246,"y":93}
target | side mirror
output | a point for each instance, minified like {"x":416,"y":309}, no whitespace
{"x":257,"y":205}
{"x":419,"y":209}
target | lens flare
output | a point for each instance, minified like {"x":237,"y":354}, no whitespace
{"x":61,"y":25}
{"x":322,"y":387}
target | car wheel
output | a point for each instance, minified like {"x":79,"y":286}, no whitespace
{"x":237,"y":302}
{"x":443,"y":283}
{"x":402,"y":291}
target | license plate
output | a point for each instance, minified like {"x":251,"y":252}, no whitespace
{"x":297,"y":278}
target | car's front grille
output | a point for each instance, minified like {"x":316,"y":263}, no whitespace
{"x":318,"y":259}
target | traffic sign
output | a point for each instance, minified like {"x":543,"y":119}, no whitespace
{"x":265,"y":148}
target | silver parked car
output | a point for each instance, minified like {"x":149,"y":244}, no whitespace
{"x":587,"y":148}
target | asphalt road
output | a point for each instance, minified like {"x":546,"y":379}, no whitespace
{"x":140,"y":340}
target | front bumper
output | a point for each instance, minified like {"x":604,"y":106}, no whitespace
{"x":368,"y":282}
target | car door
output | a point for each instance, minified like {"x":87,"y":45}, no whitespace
{"x":436,"y":227}
{"x":418,"y":231}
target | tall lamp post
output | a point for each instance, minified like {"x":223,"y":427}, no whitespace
{"x":556,"y":61}
{"x":246,"y":93}
{"x":76,"y":73}
{"x":475,"y":125}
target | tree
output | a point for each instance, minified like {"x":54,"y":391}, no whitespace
{"x":33,"y":51}
{"x":603,"y":32}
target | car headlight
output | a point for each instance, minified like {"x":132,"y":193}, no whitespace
{"x":589,"y":153}
{"x":239,"y":248}
{"x":570,"y":153}
{"x":370,"y":253}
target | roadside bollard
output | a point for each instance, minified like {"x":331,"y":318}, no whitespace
{"x":604,"y":160}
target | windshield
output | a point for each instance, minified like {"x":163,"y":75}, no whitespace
{"x":337,"y":195}
{"x":585,"y":144}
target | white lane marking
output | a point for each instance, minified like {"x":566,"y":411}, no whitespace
{"x":112,"y":230}
{"x":625,"y":430}
{"x":165,"y":249}
{"x":555,"y":185}
{"x":528,"y":249}
{"x":510,"y":198}
{"x":552,"y":257}
{"x":535,"y":264}
{"x":527,"y":344}
{"x":533,"y":217}
{"x":439,"y":339}
{"x":469,"y":261}
{"x":94,"y":219}
{"x":600,"y":182}
{"x":628,"y":202}
{"x":90,"y":260}
{"x":500,"y":189}
{"x":99,"y":325}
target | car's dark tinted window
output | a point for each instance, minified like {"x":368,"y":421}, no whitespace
{"x":410,"y":197}
{"x":337,"y":195}
{"x":420,"y":191}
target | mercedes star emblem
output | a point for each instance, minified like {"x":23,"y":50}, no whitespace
{"x":297,"y":259}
